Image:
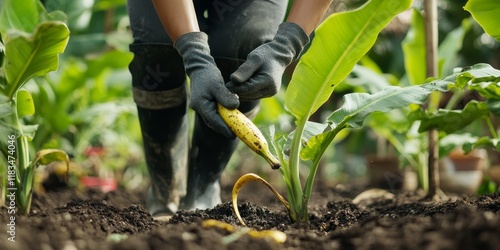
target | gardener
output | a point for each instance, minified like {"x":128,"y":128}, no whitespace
{"x":209,"y":40}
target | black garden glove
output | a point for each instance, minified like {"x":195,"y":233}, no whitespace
{"x":260,"y":75}
{"x":207,"y":84}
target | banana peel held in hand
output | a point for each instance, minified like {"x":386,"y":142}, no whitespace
{"x":246,"y":130}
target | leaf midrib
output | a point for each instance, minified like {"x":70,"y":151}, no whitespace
{"x":337,"y":64}
{"x":376,"y":100}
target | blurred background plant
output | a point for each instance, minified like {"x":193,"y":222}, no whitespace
{"x":85,"y":108}
{"x":32,"y":40}
{"x":398,"y":58}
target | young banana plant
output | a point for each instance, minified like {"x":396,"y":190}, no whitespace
{"x":339,"y":43}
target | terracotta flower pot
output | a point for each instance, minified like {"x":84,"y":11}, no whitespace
{"x":462,"y":173}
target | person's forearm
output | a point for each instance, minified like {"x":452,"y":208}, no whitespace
{"x":177,"y":16}
{"x":308,"y":13}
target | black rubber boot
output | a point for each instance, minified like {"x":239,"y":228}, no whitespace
{"x":210,"y":153}
{"x":159,"y":91}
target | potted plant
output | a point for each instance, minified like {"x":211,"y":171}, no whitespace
{"x":463,"y":173}
{"x":454,"y":123}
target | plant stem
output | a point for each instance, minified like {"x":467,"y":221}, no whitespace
{"x":24,"y":175}
{"x":491,"y":127}
{"x":454,"y":99}
{"x":314,"y":168}
{"x":295,"y":192}
{"x":24,"y":183}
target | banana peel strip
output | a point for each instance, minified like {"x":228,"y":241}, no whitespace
{"x":276,"y":236}
{"x":248,"y":178}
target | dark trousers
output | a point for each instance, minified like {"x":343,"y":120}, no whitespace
{"x":235,"y":28}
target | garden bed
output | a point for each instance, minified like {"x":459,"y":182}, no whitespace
{"x":89,"y":219}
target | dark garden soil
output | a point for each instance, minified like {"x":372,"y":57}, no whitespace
{"x":89,"y":219}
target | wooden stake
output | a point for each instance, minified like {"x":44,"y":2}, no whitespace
{"x":431,"y":42}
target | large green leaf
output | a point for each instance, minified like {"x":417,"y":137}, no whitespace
{"x":450,"y":121}
{"x":488,"y":89}
{"x":78,"y":12}
{"x":271,"y":112}
{"x":483,"y":142}
{"x":367,"y":79}
{"x":5,"y":119}
{"x":5,"y":110}
{"x":478,"y":73}
{"x":35,"y":55}
{"x":486,"y":13}
{"x":414,"y":49}
{"x":357,"y":106}
{"x":340,"y":42}
{"x":25,"y":15}
{"x":19,"y":15}
{"x":317,"y":144}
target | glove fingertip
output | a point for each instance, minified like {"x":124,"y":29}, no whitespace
{"x":228,"y":99}
{"x":231,"y":104}
{"x":237,"y":78}
{"x":247,"y":69}
{"x":231,"y":86}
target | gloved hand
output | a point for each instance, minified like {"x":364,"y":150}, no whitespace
{"x":207,"y":84}
{"x":260,"y":75}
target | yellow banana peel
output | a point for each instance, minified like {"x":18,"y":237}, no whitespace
{"x":246,"y":178}
{"x":248,"y":133}
{"x":276,"y":236}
